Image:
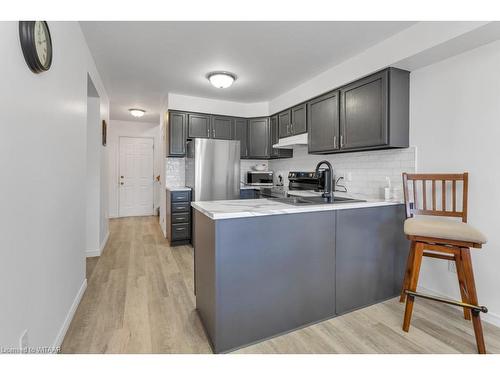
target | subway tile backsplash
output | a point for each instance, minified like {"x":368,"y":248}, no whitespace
{"x":368,"y":169}
{"x":175,"y":172}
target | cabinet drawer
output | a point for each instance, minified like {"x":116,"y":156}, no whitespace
{"x":181,"y":232}
{"x":180,"y":196}
{"x":180,"y":207}
{"x":183,"y":217}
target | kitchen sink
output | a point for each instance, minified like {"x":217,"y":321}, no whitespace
{"x":302,"y":201}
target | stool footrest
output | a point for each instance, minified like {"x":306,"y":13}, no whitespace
{"x":474,"y":308}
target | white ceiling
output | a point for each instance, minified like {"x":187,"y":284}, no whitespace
{"x":140,"y":62}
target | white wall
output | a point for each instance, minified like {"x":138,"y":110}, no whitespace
{"x":93,"y":179}
{"x":42,"y":190}
{"x":454,"y":123}
{"x":397,"y":50}
{"x":117,"y":129}
{"x":218,"y":107}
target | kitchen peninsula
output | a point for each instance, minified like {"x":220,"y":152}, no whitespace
{"x":263,"y":267}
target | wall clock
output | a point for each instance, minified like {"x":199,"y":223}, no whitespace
{"x":36,"y":45}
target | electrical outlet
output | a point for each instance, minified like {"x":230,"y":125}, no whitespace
{"x":452,"y":267}
{"x":24,"y":342}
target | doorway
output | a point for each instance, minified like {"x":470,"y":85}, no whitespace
{"x":136,"y":176}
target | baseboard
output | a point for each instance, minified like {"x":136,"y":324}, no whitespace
{"x":489,"y":317}
{"x":98,"y":252}
{"x":69,"y":317}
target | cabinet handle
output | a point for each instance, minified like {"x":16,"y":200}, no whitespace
{"x":291,"y":127}
{"x":341,"y":141}
{"x":334,"y":141}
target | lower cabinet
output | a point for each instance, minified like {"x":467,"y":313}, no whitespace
{"x":370,"y":256}
{"x":178,"y":217}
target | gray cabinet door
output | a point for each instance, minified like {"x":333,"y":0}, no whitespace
{"x":298,"y":124}
{"x":258,"y":138}
{"x":275,"y":152}
{"x":369,"y":256}
{"x":198,"y":126}
{"x":323,"y":123}
{"x":240,"y":134}
{"x":363,"y":112}
{"x":176,"y":134}
{"x":222,"y":127}
{"x":284,"y":119}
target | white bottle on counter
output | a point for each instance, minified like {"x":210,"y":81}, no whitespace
{"x":387,"y":189}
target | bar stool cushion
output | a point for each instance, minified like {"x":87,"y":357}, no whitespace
{"x":449,"y":229}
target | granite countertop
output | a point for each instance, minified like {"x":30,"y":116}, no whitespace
{"x":231,"y":209}
{"x":177,"y":188}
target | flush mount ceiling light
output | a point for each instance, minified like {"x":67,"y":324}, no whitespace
{"x":137,"y":112}
{"x":221,"y":80}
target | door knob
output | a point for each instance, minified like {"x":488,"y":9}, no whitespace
{"x":121,"y":176}
{"x":121,"y":183}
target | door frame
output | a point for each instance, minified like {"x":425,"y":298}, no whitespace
{"x":118,"y":162}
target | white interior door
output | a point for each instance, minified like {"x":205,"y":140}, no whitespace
{"x":136,"y":176}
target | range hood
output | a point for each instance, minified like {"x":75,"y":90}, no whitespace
{"x":294,"y":140}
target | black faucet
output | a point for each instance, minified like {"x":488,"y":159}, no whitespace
{"x":327,"y":191}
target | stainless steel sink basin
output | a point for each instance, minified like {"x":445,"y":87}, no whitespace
{"x":302,"y":201}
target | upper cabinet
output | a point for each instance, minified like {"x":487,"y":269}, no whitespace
{"x":259,"y":138}
{"x":198,"y":125}
{"x":299,"y":120}
{"x":371,"y":113}
{"x":254,"y":134}
{"x":222,"y":127}
{"x":176,"y":135}
{"x":240,"y":134}
{"x":277,"y":153}
{"x":324,"y":123}
{"x":284,"y":120}
{"x":363,"y":112}
{"x":292,"y":121}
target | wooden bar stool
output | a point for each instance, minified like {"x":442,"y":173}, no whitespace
{"x":436,"y":233}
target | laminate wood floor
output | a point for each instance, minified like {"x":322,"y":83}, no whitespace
{"x":139,"y":299}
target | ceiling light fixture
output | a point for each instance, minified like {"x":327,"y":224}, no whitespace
{"x":221,"y":80}
{"x":137,"y":112}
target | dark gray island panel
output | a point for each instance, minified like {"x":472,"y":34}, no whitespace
{"x":260,"y":276}
{"x":265,"y":284}
{"x":371,"y":252}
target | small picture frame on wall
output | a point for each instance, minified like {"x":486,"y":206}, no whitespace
{"x":104,"y":132}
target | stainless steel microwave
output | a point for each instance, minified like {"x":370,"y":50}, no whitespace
{"x":260,"y":178}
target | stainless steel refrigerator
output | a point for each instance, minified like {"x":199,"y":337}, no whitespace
{"x":213,"y":169}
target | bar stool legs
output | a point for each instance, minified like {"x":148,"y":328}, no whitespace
{"x":462,"y":283}
{"x":472,"y":299}
{"x":418,"y":250}
{"x":466,"y":282}
{"x":406,"y":280}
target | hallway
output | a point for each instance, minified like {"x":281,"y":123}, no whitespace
{"x":140,"y":299}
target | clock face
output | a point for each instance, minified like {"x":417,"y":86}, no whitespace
{"x":36,"y":45}
{"x":42,"y":42}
